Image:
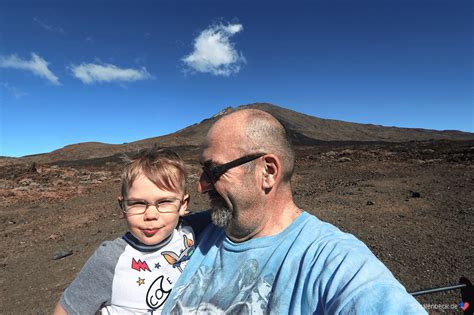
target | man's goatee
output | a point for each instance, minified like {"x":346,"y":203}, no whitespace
{"x":221,"y":214}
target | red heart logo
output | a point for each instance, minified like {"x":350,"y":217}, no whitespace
{"x":465,"y":306}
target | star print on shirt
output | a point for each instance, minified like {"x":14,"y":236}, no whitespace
{"x":157,"y":265}
{"x":140,"y":281}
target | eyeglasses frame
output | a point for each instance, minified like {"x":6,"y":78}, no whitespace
{"x":148,"y":204}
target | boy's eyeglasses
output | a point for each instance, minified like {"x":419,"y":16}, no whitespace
{"x":139,"y":206}
{"x":214,"y":172}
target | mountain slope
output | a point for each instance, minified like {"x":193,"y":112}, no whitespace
{"x":302,"y":129}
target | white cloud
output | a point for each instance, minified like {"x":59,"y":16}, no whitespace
{"x":214,"y":53}
{"x":49,"y":27}
{"x":90,"y":73}
{"x":37,"y":65}
{"x":13,"y":90}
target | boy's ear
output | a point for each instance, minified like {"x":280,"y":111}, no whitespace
{"x":184,"y":205}
{"x":120,"y":201}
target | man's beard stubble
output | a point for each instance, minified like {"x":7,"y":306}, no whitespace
{"x":221,"y":214}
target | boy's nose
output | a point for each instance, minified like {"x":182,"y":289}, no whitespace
{"x":151,"y":213}
{"x":204,"y":184}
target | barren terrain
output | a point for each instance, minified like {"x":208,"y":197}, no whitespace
{"x":411,"y":203}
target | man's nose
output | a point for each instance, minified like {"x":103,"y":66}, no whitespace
{"x":204,"y":184}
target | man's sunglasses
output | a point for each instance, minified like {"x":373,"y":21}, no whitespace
{"x":214,"y":172}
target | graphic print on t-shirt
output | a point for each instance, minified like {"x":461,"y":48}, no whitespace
{"x":247,"y":293}
{"x":158,"y":292}
{"x":140,"y":265}
{"x":176,"y":260}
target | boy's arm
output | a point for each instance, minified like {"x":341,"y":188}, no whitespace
{"x":59,"y":310}
{"x":92,"y":287}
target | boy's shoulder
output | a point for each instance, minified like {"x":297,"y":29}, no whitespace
{"x":110,"y":250}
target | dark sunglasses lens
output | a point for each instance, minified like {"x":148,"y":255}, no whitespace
{"x":208,"y":174}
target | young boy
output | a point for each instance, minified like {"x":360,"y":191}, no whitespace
{"x":135,"y":273}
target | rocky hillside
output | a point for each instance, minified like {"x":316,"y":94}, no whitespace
{"x":303,"y":130}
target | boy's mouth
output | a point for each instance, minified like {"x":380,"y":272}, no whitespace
{"x":150,"y":232}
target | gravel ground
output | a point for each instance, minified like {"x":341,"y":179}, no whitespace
{"x":410,"y":203}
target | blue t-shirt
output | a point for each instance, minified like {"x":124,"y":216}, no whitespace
{"x":311,"y":267}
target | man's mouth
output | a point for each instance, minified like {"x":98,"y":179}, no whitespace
{"x":217,"y":203}
{"x":215,"y":197}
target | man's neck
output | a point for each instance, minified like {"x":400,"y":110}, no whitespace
{"x":275,"y":218}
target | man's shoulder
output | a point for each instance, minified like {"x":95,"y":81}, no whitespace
{"x":324,"y":240}
{"x":351,"y":275}
{"x":340,"y":256}
{"x":313,"y":230}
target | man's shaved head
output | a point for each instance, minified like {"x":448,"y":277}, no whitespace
{"x":255,"y":198}
{"x":253,"y":130}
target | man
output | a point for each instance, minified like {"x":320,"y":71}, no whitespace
{"x":265,"y":255}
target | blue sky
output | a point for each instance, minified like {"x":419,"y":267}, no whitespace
{"x":120,"y":71}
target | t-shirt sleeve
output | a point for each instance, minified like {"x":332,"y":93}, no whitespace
{"x":92,"y":287}
{"x":353,"y":281}
{"x":382,"y":299}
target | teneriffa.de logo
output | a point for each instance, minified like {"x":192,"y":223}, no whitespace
{"x":463,"y":306}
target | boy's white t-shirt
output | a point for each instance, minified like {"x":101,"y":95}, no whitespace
{"x":124,"y":276}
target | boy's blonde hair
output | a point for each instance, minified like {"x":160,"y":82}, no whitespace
{"x":162,"y":167}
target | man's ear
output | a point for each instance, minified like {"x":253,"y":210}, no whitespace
{"x":184,"y":205}
{"x":271,"y":171}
